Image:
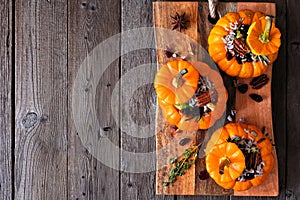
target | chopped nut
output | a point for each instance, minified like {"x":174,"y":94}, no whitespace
{"x":259,"y":82}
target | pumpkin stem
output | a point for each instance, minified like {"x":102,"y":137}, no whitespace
{"x":265,"y":36}
{"x":224,"y":162}
{"x":178,"y":81}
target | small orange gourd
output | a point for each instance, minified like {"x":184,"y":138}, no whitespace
{"x":235,"y":47}
{"x":176,"y":82}
{"x":225,"y":163}
{"x":239,"y":135}
{"x":175,"y":115}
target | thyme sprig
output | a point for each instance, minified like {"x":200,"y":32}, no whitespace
{"x":182,"y":163}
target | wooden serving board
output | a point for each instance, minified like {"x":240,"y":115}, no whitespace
{"x":168,"y":144}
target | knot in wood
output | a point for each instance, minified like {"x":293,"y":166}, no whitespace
{"x":92,"y":7}
{"x":295,"y":47}
{"x":29,"y":120}
{"x":290,"y":195}
{"x":44,"y":118}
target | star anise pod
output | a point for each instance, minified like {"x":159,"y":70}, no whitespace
{"x":179,"y":22}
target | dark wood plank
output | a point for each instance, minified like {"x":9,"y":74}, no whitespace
{"x":90,"y":23}
{"x":41,"y":103}
{"x":6,"y":136}
{"x":137,"y":14}
{"x":293,"y":96}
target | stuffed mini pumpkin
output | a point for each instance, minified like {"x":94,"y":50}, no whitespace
{"x":244,"y":43}
{"x":206,"y":105}
{"x":240,"y":157}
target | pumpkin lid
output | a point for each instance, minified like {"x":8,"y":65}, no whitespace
{"x":176,"y":82}
{"x":263,"y":37}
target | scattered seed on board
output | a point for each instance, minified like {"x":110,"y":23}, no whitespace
{"x":184,"y":141}
{"x":256,"y":97}
{"x":247,"y":130}
{"x":229,"y":118}
{"x":253,"y":133}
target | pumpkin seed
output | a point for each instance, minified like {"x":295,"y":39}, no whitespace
{"x":256,"y":97}
{"x":243,"y":88}
{"x":184,"y":141}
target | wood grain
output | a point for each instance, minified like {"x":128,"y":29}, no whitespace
{"x":90,"y":23}
{"x":6,"y":98}
{"x":184,"y":186}
{"x":40,"y":100}
{"x":141,"y":110}
{"x":293,"y":138}
{"x":164,"y":137}
{"x":52,"y":38}
{"x":263,"y":115}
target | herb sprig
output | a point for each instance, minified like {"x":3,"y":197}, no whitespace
{"x":181,"y":165}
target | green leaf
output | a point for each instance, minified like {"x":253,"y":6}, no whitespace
{"x":190,"y":155}
{"x":172,"y":172}
{"x":173,"y":160}
{"x":236,"y":138}
{"x":166,"y":184}
{"x":187,"y":166}
{"x":182,"y":106}
{"x":187,"y":153}
{"x":172,"y":180}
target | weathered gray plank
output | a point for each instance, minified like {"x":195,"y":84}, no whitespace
{"x":90,"y":23}
{"x":6,"y":100}
{"x":293,"y":96}
{"x":41,"y":103}
{"x":141,"y":110}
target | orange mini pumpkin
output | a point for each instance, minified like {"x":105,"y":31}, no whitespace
{"x":176,"y":82}
{"x":224,"y":162}
{"x":229,"y":49}
{"x":190,"y":118}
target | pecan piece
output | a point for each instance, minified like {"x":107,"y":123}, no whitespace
{"x":241,"y":47}
{"x":259,"y":82}
{"x":257,"y":160}
{"x":205,"y":98}
{"x":243,"y":88}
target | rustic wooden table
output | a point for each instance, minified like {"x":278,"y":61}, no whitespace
{"x":42,"y":46}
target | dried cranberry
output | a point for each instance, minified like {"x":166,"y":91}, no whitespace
{"x":256,"y":97}
{"x":204,"y":175}
{"x":168,"y":53}
{"x":243,"y":88}
{"x":228,"y":55}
